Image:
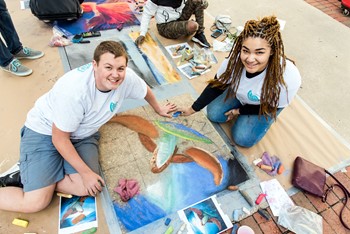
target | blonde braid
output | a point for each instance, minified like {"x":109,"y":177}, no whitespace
{"x":267,"y":28}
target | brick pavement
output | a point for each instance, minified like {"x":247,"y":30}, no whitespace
{"x":331,"y":8}
{"x":329,"y":210}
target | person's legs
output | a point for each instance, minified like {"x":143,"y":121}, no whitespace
{"x":14,"y":199}
{"x":195,"y":7}
{"x":219,"y":106}
{"x":40,"y":168}
{"x":8,"y":32}
{"x":248,"y":130}
{"x":175,"y":29}
{"x":184,"y":26}
{"x":88,"y":150}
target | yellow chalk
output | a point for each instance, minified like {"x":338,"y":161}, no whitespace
{"x":20,"y":222}
{"x":64,"y":195}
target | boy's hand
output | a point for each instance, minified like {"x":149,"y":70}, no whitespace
{"x":139,"y":40}
{"x":168,"y":108}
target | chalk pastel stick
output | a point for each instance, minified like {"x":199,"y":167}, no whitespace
{"x":20,"y":222}
{"x":266,"y":167}
{"x":64,"y":195}
{"x":246,"y":197}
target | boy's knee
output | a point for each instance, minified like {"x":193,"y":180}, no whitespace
{"x":192,"y":26}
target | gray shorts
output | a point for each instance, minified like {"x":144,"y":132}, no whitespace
{"x":41,"y":164}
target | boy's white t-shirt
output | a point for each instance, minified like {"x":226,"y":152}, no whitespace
{"x":75,"y":105}
{"x":249,"y":90}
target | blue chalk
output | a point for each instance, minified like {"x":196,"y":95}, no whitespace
{"x":167,"y":221}
{"x":176,"y":114}
{"x":235,"y":215}
{"x":234,"y":228}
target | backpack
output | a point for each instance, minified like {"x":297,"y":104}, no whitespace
{"x":51,"y":10}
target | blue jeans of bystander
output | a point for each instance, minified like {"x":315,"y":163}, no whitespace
{"x":9,"y":34}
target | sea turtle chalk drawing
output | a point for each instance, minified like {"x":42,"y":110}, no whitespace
{"x":166,"y":151}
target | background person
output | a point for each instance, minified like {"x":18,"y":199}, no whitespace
{"x":13,"y":50}
{"x":254,"y":83}
{"x":173,"y":19}
{"x":59,"y":140}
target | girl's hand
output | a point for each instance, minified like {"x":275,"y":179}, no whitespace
{"x":186,"y":111}
{"x":231,"y":114}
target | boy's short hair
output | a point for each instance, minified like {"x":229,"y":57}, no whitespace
{"x":112,"y":47}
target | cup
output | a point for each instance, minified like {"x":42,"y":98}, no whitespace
{"x":245,"y":230}
{"x":239,"y":30}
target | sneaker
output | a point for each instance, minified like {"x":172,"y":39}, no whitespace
{"x":201,"y":39}
{"x":11,"y":177}
{"x":27,"y":53}
{"x":15,"y":67}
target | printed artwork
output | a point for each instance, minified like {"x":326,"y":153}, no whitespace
{"x":205,"y":217}
{"x":77,"y":214}
{"x":100,"y":15}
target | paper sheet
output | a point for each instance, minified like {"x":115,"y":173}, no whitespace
{"x":276,"y":196}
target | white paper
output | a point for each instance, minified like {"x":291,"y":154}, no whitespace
{"x":177,"y":54}
{"x":24,"y":4}
{"x":187,"y":70}
{"x":282,"y":24}
{"x":276,"y":196}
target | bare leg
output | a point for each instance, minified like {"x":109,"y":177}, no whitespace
{"x":72,"y":184}
{"x":14,"y":199}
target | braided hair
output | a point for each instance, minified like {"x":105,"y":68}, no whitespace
{"x":267,"y":28}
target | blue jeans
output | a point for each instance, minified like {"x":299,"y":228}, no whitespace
{"x":8,"y":32}
{"x":248,"y":129}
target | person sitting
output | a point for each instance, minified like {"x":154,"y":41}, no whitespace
{"x":253,"y":84}
{"x":173,"y":19}
{"x":13,"y":50}
{"x":59,"y":140}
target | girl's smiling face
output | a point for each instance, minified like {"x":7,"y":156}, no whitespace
{"x":109,"y":72}
{"x":255,"y":54}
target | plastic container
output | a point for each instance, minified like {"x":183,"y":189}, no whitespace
{"x":245,"y":230}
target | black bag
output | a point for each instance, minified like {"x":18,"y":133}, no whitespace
{"x":51,"y":10}
{"x":312,"y":179}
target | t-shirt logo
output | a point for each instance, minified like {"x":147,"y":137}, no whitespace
{"x":112,"y":106}
{"x":84,"y":67}
{"x":253,"y":97}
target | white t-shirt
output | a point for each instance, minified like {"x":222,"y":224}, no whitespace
{"x":75,"y":105}
{"x":249,"y":90}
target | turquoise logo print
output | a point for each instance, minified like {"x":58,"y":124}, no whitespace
{"x":84,"y":67}
{"x":252,"y":97}
{"x":112,"y":106}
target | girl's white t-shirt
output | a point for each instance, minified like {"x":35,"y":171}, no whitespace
{"x":249,"y":90}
